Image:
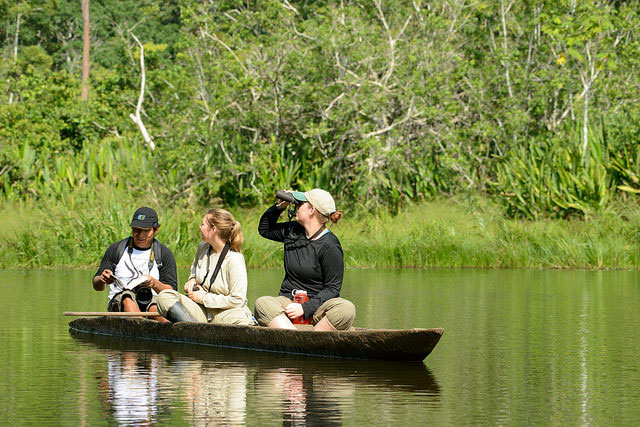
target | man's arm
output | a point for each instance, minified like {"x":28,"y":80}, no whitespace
{"x":100,"y":282}
{"x":104,"y":276}
{"x":168,"y":272}
{"x":155,"y":284}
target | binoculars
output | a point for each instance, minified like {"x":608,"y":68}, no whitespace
{"x":287,"y":197}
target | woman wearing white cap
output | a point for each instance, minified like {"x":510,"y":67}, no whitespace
{"x":313,"y":262}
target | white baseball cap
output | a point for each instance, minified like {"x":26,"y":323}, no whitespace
{"x":319,"y":199}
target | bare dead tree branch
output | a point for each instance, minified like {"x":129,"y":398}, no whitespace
{"x":336,"y":99}
{"x":505,"y":47}
{"x":217,"y":39}
{"x":391,"y":40}
{"x":288,"y":6}
{"x":137,"y":119}
{"x":15,"y":49}
{"x":220,"y":142}
{"x":390,"y":127}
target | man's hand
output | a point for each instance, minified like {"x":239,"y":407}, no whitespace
{"x":107,"y":277}
{"x":153,"y":283}
{"x":149,"y":283}
{"x":100,"y":282}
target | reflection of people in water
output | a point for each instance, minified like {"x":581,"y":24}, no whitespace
{"x":147,"y":381}
{"x":216,"y":394}
{"x":133,"y":387}
{"x":306,"y":398}
{"x":140,"y":386}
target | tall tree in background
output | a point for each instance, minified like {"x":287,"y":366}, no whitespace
{"x":86,"y":49}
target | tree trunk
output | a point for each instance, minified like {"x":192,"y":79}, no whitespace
{"x":86,"y":50}
{"x":15,"y":40}
{"x":15,"y":49}
{"x":585,"y":122}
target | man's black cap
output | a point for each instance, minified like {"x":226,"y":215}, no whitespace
{"x":145,"y":218}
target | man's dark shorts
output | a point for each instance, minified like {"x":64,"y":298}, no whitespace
{"x":141,"y":298}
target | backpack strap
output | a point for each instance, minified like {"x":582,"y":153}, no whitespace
{"x":157,"y":249}
{"x":122,"y":246}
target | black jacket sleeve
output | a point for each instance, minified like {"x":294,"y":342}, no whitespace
{"x":109,"y":259}
{"x":270,"y":228}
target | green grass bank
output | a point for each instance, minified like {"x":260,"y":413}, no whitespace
{"x":454,"y":233}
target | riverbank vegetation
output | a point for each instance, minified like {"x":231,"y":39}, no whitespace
{"x":394,"y":107}
{"x":443,"y":233}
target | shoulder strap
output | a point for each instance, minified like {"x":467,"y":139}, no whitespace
{"x":122,"y":246}
{"x":157,"y":248}
{"x":317,"y":233}
{"x":155,"y":254}
{"x":219,"y":264}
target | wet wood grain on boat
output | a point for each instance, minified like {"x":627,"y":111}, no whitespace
{"x":379,"y":344}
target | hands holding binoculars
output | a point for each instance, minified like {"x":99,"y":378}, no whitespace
{"x":285,"y":198}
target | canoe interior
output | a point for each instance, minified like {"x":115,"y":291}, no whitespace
{"x":376,"y":344}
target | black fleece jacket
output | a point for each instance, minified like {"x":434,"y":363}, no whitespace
{"x":316,"y":266}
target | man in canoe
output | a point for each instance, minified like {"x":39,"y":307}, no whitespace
{"x":313,"y":263}
{"x":137,"y":268}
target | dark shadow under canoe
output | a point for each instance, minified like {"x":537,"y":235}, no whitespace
{"x":376,"y":344}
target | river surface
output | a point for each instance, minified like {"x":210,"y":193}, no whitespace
{"x":520,"y":347}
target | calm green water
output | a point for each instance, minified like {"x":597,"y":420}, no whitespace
{"x":520,"y":347}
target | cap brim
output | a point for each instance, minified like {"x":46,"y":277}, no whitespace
{"x":140,"y":224}
{"x":299,"y":195}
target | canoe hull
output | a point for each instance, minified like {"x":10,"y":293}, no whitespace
{"x":377,"y":344}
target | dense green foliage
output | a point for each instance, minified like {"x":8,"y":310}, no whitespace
{"x":531,"y":102}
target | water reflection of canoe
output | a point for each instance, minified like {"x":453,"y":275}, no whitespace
{"x":379,"y":344}
{"x":413,"y":377}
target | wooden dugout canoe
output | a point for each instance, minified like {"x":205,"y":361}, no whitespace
{"x":375,"y":344}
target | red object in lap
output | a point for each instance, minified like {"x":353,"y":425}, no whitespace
{"x":300,"y":297}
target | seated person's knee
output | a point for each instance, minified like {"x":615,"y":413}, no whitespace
{"x":265,"y":309}
{"x":165,"y":300}
{"x":262,"y":304}
{"x":128,"y":304}
{"x":342,"y":315}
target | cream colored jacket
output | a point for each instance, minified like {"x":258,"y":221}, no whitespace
{"x":229,"y":290}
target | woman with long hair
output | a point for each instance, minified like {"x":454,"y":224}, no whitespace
{"x":217,"y":285}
